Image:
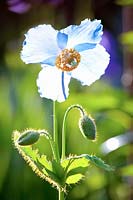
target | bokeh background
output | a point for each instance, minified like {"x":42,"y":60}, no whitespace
{"x":109,"y":100}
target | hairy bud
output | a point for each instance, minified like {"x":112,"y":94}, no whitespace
{"x":29,"y":137}
{"x":87,"y":127}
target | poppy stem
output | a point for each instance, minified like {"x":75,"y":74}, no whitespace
{"x":64,"y":127}
{"x":61,"y":194}
{"x":55,"y":133}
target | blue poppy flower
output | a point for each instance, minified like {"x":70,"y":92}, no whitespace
{"x":73,"y":52}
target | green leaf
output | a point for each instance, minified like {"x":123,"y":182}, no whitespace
{"x":74,"y":178}
{"x":39,"y":163}
{"x":33,"y":154}
{"x":77,"y":170}
{"x":51,"y":169}
{"x":99,"y":162}
{"x":58,"y":170}
{"x":41,"y":166}
{"x":73,"y":163}
{"x":76,"y":166}
{"x":94,"y":160}
{"x":43,"y":161}
{"x":74,"y":169}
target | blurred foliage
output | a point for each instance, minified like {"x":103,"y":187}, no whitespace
{"x":127,"y":170}
{"x":127,"y":40}
{"x":124,"y":2}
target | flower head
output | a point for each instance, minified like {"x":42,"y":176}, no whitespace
{"x":73,"y":52}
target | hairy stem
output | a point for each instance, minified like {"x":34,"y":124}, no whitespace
{"x":55,"y":133}
{"x":64,"y":127}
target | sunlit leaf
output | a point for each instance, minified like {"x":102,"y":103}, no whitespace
{"x":76,"y":166}
{"x":30,"y":152}
{"x":74,"y":178}
{"x":75,"y":169}
{"x":99,"y":163}
{"x":39,"y":164}
{"x":74,"y":163}
{"x":43,"y":160}
{"x":96,"y":161}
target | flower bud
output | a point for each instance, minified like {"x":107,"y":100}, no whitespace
{"x":29,"y":137}
{"x":88,"y":127}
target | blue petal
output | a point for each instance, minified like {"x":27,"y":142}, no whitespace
{"x":24,"y":42}
{"x":87,"y":32}
{"x":40,"y":43}
{"x":62,"y":39}
{"x":92,"y":66}
{"x":50,"y":61}
{"x":96,"y":34}
{"x":84,"y":46}
{"x":53,"y":84}
{"x":63,"y":85}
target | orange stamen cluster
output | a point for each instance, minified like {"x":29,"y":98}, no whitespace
{"x":68,"y":60}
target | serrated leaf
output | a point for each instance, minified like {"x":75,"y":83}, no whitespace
{"x":81,"y":162}
{"x":52,"y":176}
{"x":96,"y":161}
{"x":30,"y":152}
{"x":74,"y":178}
{"x":49,"y":169}
{"x":43,"y":161}
{"x":65,"y":163}
{"x":99,"y":162}
{"x":39,"y":164}
{"x":74,"y":162}
{"x":75,"y":169}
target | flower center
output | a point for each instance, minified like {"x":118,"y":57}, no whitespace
{"x":67,"y":60}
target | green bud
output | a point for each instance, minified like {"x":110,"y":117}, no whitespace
{"x":87,"y":127}
{"x":29,"y":137}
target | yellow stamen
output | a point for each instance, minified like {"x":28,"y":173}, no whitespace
{"x":68,"y":60}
